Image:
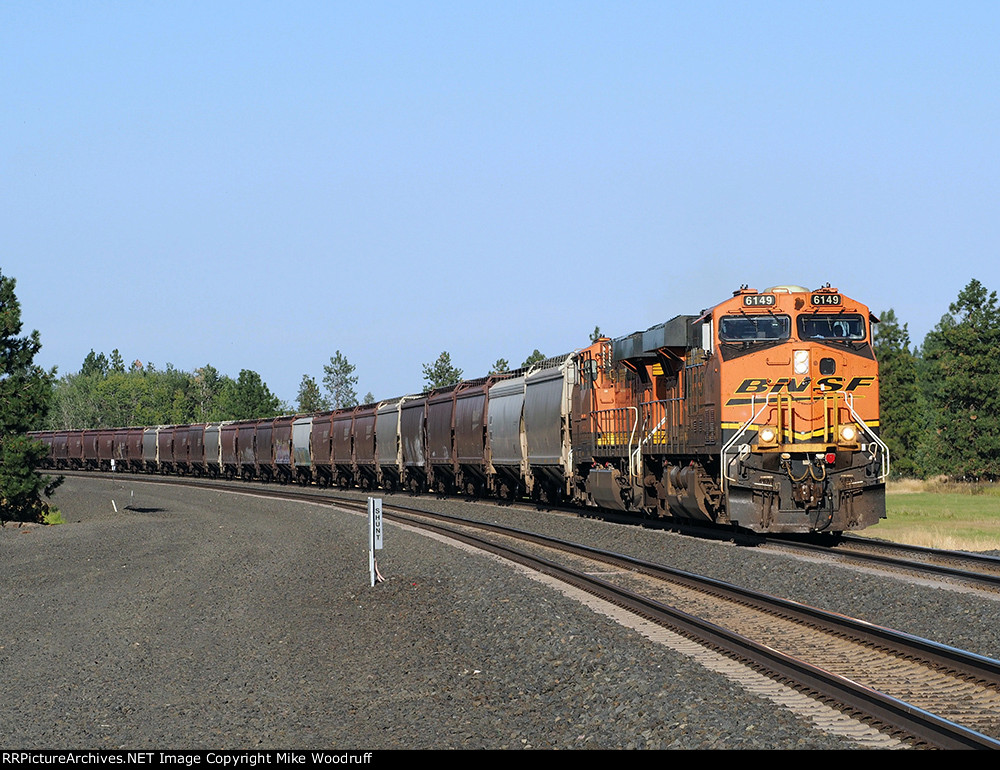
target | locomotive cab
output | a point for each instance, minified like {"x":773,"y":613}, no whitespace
{"x":801,"y":450}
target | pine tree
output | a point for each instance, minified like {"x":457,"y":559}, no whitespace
{"x":25,"y":394}
{"x":441,"y":373}
{"x":310,"y":399}
{"x":962,"y":374}
{"x":903,"y":424}
{"x":536,"y":357}
{"x":94,"y":365}
{"x":340,"y":381}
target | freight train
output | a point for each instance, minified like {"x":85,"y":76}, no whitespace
{"x":761,"y":412}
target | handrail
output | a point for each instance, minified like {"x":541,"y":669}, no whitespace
{"x":631,"y":459}
{"x":739,"y":434}
{"x":849,"y":401}
{"x":636,"y":456}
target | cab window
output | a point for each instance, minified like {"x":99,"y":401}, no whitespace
{"x":831,"y":327}
{"x":751,"y":328}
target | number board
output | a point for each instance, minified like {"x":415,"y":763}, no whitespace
{"x":825,"y":299}
{"x":758,"y":300}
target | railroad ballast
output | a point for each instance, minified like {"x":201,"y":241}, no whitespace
{"x":761,"y":412}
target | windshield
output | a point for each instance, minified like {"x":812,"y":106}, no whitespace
{"x":750,"y":328}
{"x":831,"y":327}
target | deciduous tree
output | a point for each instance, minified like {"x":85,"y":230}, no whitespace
{"x":248,"y":398}
{"x":208,"y":385}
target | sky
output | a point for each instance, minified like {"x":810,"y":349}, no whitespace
{"x":257,"y":185}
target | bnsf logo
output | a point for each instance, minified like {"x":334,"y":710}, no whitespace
{"x":792,"y":385}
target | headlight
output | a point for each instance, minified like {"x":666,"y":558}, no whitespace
{"x":801,"y":364}
{"x":767,"y":435}
{"x":848,"y":434}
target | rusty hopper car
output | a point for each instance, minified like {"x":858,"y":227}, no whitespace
{"x":364,"y":446}
{"x":440,"y":425}
{"x":472,"y":450}
{"x":321,"y":448}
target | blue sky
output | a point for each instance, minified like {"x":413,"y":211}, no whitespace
{"x":259,"y":184}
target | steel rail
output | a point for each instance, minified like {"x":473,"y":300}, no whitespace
{"x":870,"y":542}
{"x":942,"y":570}
{"x":970,"y":664}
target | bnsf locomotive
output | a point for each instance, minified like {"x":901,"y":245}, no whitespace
{"x":761,"y":412}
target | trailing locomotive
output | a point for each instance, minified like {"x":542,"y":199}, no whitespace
{"x":761,"y":412}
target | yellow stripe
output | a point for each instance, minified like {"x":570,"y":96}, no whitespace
{"x":796,"y":435}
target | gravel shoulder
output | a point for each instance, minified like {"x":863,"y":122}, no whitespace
{"x":197,"y":620}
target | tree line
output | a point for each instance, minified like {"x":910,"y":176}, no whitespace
{"x":106,"y":393}
{"x":940,"y":401}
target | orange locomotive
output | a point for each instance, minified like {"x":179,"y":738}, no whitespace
{"x":762,"y":413}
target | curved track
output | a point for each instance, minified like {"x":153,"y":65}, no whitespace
{"x":938,"y":695}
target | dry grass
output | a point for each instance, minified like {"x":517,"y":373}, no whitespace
{"x":942,"y":485}
{"x":942,"y":514}
{"x":905,"y":487}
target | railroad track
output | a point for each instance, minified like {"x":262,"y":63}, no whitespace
{"x":936,"y":694}
{"x":978,"y":571}
{"x":930,"y":694}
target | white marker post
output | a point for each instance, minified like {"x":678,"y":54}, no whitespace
{"x":374,"y":536}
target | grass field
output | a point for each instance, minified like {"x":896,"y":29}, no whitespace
{"x":964,"y":517}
